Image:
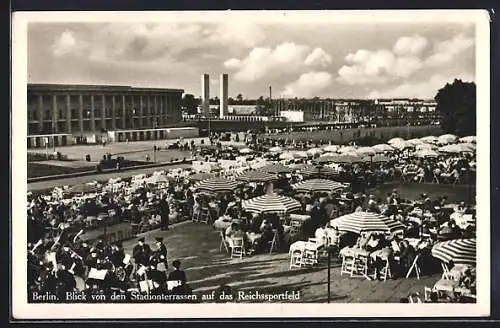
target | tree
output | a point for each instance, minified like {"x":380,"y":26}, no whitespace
{"x":456,"y":105}
{"x":190,"y":104}
{"x":239,"y":98}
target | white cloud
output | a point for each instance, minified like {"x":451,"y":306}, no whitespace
{"x":268,"y":62}
{"x":66,"y":43}
{"x":308,"y":85}
{"x":410,"y":45}
{"x":425,"y":89}
{"x":318,"y":57}
{"x":244,"y":34}
{"x":402,"y":62}
{"x":446,"y":51}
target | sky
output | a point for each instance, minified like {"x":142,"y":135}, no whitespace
{"x":305,"y":59}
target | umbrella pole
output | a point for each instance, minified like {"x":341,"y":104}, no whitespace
{"x":329,"y":274}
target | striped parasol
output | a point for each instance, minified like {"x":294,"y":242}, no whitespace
{"x":359,"y":222}
{"x":312,"y":170}
{"x":201,"y":176}
{"x":318,"y":185}
{"x":426,"y":153}
{"x":471,"y":139}
{"x":256,"y":176}
{"x":331,"y":148}
{"x":348,"y":159}
{"x":276,"y":168}
{"x":271,"y":203}
{"x":216,"y":185}
{"x":394,"y":141}
{"x":84,"y":188}
{"x":365,"y":151}
{"x":460,"y":251}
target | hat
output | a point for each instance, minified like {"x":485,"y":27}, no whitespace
{"x":159,"y":239}
{"x":141,"y":239}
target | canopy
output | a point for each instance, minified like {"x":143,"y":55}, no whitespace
{"x":331,"y":148}
{"x":276,"y":168}
{"x":403,"y":145}
{"x":395,"y":141}
{"x":216,"y":185}
{"x":471,"y":139}
{"x":380,"y":148}
{"x":256,"y":176}
{"x":430,"y":139}
{"x":447,"y":139}
{"x":460,"y":251}
{"x":426,"y":153}
{"x":365,"y":151}
{"x":415,"y":141}
{"x":315,"y":151}
{"x":287,"y":155}
{"x":347,"y":149}
{"x":426,"y":146}
{"x":246,"y":151}
{"x":271,"y":203}
{"x":359,"y":222}
{"x":318,"y":185}
{"x":275,"y":149}
{"x":458,"y":148}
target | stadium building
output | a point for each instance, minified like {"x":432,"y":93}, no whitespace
{"x":68,"y":114}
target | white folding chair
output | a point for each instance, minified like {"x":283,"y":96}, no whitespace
{"x":385,"y":272}
{"x":296,"y":259}
{"x":414,"y":267}
{"x":347,"y":266}
{"x":237,"y":248}
{"x":223,"y":242}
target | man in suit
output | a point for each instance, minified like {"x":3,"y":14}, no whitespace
{"x":164,"y":213}
{"x":179,"y":275}
{"x":141,"y":252}
{"x":161,"y":254}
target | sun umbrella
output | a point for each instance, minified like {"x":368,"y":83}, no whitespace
{"x":376,"y":159}
{"x":426,"y":153}
{"x":318,"y":185}
{"x":457,"y":148}
{"x":430,"y":139}
{"x":271,"y":203}
{"x":275,"y":149}
{"x":246,"y":151}
{"x":403,"y":145}
{"x":447,"y":139}
{"x":365,"y":151}
{"x":347,"y":149}
{"x":471,"y":139}
{"x":301,"y":154}
{"x":315,"y":151}
{"x":331,"y":148}
{"x":347,"y":159}
{"x":426,"y":146}
{"x":327,"y":159}
{"x":256,"y":176}
{"x":155,"y":179}
{"x":328,"y":154}
{"x":415,"y":141}
{"x":312,"y":170}
{"x":395,"y":141}
{"x":460,"y":251}
{"x":217,"y":185}
{"x":380,"y":148}
{"x":276,"y":168}
{"x":359,"y":222}
{"x":287,"y":155}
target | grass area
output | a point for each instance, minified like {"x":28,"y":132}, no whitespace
{"x":46,"y":169}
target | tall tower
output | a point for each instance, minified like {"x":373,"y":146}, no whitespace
{"x":205,"y":94}
{"x":223,"y":94}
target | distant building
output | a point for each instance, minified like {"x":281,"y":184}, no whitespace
{"x":292,"y":115}
{"x":75,"y":112}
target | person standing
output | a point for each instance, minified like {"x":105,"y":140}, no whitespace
{"x":164,"y":213}
{"x":161,"y":254}
{"x":141,"y":253}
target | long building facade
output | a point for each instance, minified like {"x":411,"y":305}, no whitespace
{"x":77,"y":111}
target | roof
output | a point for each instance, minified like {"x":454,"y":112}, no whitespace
{"x":95,"y":87}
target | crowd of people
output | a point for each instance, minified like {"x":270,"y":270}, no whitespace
{"x":61,"y":259}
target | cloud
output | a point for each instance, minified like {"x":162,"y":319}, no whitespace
{"x":65,"y":44}
{"x":406,"y":58}
{"x":267,"y":62}
{"x":318,"y":57}
{"x":446,"y":51}
{"x":308,"y":84}
{"x":410,"y":45}
{"x":243,"y":34}
{"x":425,"y":89}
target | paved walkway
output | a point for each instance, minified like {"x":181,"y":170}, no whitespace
{"x":197,"y":246}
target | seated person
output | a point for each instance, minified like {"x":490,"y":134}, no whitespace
{"x":234,"y":231}
{"x":373,"y":243}
{"x":362,"y":241}
{"x":179,"y":275}
{"x":468,"y":281}
{"x":407,"y":256}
